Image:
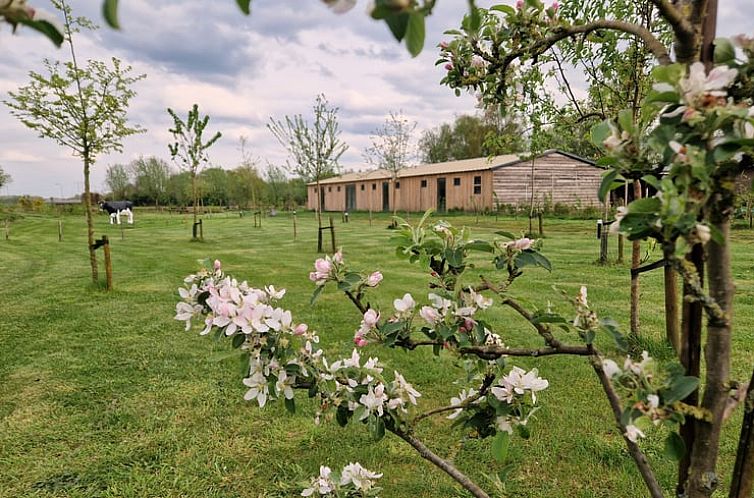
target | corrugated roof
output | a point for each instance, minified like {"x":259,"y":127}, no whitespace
{"x":477,"y":164}
{"x":464,"y":165}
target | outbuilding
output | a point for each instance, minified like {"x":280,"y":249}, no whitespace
{"x":470,"y":184}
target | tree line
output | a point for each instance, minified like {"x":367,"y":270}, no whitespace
{"x":151,"y":181}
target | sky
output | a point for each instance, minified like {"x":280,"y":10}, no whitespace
{"x":242,"y":71}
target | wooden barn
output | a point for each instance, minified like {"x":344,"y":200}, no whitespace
{"x":470,"y":184}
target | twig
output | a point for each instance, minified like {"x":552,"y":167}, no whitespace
{"x":488,"y":379}
{"x":691,"y":278}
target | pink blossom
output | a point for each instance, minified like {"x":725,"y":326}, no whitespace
{"x":404,"y":304}
{"x":555,"y":5}
{"x":430,"y":315}
{"x":374,"y":279}
{"x":477,"y":62}
{"x":522,"y":244}
{"x":359,"y":340}
{"x":217,"y":265}
{"x":338,"y":257}
{"x":449,"y":66}
{"x":443,"y":44}
{"x":371,"y":318}
{"x":520,"y":4}
{"x":323,"y":266}
{"x":300,"y":329}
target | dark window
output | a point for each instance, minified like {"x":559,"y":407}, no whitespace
{"x":397,"y":185}
{"x":477,"y":189}
{"x":362,"y":187}
{"x":338,"y":189}
{"x":477,"y":184}
{"x":374,"y":186}
{"x":424,"y":183}
{"x":316,"y":190}
{"x":456,"y":182}
{"x":329,"y":189}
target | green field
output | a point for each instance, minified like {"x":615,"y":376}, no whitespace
{"x":104,"y":394}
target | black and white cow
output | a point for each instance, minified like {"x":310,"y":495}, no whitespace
{"x":116,"y":208}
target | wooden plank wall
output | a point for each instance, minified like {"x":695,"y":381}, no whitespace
{"x":557,"y":179}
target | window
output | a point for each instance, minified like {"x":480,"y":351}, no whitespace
{"x":362,"y":187}
{"x":424,"y":183}
{"x":374,"y":186}
{"x":397,"y":185}
{"x":329,"y":189}
{"x":477,"y":184}
{"x":338,"y":189}
{"x":456,"y":182}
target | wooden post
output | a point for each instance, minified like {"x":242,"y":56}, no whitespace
{"x":108,"y":263}
{"x":201,"y":230}
{"x":122,"y":232}
{"x":7,"y":229}
{"x":60,"y":230}
{"x":294,"y":226}
{"x":370,"y":216}
{"x":332,"y":234}
{"x":541,"y":229}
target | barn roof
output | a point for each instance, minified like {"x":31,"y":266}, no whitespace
{"x":449,"y":167}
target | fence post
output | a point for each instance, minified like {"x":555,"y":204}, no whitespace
{"x":60,"y":230}
{"x":108,"y":262}
{"x":332,"y":234}
{"x":294,"y":225}
{"x":541,"y":229}
{"x":7,"y":229}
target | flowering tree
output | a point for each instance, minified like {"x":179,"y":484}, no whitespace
{"x":690,"y":139}
{"x":499,"y":398}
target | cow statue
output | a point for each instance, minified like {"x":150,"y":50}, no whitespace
{"x":116,"y":208}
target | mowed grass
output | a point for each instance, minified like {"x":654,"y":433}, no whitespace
{"x":104,"y":394}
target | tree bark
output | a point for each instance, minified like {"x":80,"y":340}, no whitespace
{"x":703,"y":480}
{"x":672,"y":332}
{"x":193,"y":193}
{"x":89,"y":219}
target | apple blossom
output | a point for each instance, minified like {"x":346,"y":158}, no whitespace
{"x":405,"y":304}
{"x":361,"y":478}
{"x":374,"y":401}
{"x":633,"y":433}
{"x":458,"y":400}
{"x":374,"y":279}
{"x":322,"y":484}
{"x":430,"y":315}
{"x":340,"y":6}
{"x":611,"y":368}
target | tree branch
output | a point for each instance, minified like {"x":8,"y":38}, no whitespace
{"x":442,"y":464}
{"x":691,"y":278}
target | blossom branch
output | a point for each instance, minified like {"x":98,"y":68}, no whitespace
{"x":441,"y":463}
{"x":356,"y":300}
{"x":639,"y":458}
{"x":486,"y":383}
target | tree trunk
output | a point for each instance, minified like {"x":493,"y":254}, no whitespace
{"x":89,"y":220}
{"x":702,"y":478}
{"x":193,"y":194}
{"x":318,"y":208}
{"x":635,"y":262}
{"x":672,"y":332}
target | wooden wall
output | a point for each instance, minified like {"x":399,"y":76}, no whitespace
{"x":557,"y":179}
{"x":410,"y":194}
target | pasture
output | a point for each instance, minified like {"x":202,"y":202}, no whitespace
{"x":105,"y":395}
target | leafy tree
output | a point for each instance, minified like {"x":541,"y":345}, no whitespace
{"x":314,"y":149}
{"x":246,"y":185}
{"x":5,"y":178}
{"x":151,"y":176}
{"x":392,"y":149}
{"x":118,"y":180}
{"x":277,"y":184}
{"x":215,"y":186}
{"x":179,"y":189}
{"x":83,"y":108}
{"x":189,"y":148}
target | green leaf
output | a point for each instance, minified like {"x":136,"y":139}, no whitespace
{"x":532,"y":258}
{"x":342,"y":415}
{"x":626,"y":120}
{"x":290,"y":405}
{"x":675,"y":448}
{"x":505,"y":9}
{"x":238,"y":340}
{"x":479,"y":245}
{"x":475,"y":20}
{"x":500,"y":446}
{"x":611,"y":327}
{"x":415,"y":33}
{"x":608,"y":180}
{"x":545,"y":317}
{"x":245,"y":6}
{"x":316,"y":293}
{"x":648,"y":205}
{"x":599,"y":134}
{"x":724,"y":51}
{"x":398,"y":24}
{"x":110,"y":13}
{"x":505,"y":234}
{"x":376,"y":427}
{"x":46,"y":28}
{"x":679,"y":389}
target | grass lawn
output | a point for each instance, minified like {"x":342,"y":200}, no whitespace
{"x":104,"y":394}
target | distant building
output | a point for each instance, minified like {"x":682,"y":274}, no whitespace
{"x":470,"y":184}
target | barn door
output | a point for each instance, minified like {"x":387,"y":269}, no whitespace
{"x":350,"y":197}
{"x":441,"y":200}
{"x":385,"y":196}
